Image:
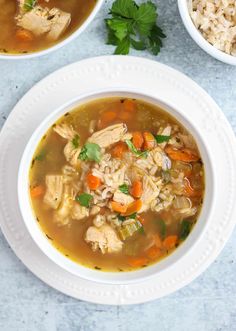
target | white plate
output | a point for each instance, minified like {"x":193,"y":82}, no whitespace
{"x":117,"y":72}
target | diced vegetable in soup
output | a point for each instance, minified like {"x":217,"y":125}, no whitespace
{"x":32,"y":25}
{"x":117,"y":184}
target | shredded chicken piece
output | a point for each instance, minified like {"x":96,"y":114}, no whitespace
{"x":150,"y":192}
{"x":103,"y":238}
{"x":44,"y":21}
{"x":62,"y":215}
{"x":122,"y":198}
{"x":65,"y":131}
{"x":72,"y":154}
{"x":79,"y":212}
{"x":54,"y":191}
{"x":111,"y":135}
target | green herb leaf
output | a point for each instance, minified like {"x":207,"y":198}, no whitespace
{"x":121,"y":218}
{"x":185,"y":229}
{"x":161,"y":139}
{"x":123,"y":47}
{"x":125,"y":8}
{"x":141,"y":230}
{"x":90,"y":152}
{"x":75,"y":141}
{"x":29,"y":4}
{"x":146,"y":17}
{"x":40,"y":156}
{"x":132,"y":216}
{"x":84,"y":199}
{"x":134,"y":25}
{"x":161,"y":227}
{"x":134,"y":149}
{"x":124,"y":188}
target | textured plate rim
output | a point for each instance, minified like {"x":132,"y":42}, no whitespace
{"x":111,"y":67}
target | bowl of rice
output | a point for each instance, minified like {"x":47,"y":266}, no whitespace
{"x":212,"y":25}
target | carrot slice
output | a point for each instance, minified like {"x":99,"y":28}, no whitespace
{"x":189,"y":191}
{"x":153,"y":252}
{"x":133,"y":207}
{"x":119,"y":150}
{"x":93,"y":181}
{"x":136,"y":189}
{"x":118,"y":207}
{"x":129,"y":105}
{"x":138,"y":262}
{"x":37,"y":191}
{"x":24,"y":35}
{"x":125,"y":116}
{"x":184,"y":154}
{"x":157,"y":240}
{"x":170,"y":242}
{"x":137,"y":139}
{"x":108,"y":117}
{"x":149,"y":141}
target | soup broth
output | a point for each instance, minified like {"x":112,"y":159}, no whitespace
{"x":117,"y":184}
{"x":25,"y":36}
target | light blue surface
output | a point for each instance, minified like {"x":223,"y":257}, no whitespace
{"x":208,"y":303}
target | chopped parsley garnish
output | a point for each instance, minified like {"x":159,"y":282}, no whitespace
{"x":29,"y":4}
{"x":185,"y":229}
{"x":133,"y":25}
{"x":75,"y":141}
{"x":90,"y":152}
{"x":134,"y":149}
{"x":161,"y":139}
{"x":124,"y":188}
{"x":84,"y":199}
{"x":123,"y":218}
{"x":161,"y":227}
{"x":40,"y":156}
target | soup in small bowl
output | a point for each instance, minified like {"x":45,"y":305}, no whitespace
{"x":34,"y":27}
{"x":116,"y":185}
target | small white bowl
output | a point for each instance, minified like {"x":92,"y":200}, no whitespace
{"x":113,"y":277}
{"x":61,"y":43}
{"x":198,"y":37}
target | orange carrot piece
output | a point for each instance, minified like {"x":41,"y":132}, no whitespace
{"x":184,"y":154}
{"x":93,"y":181}
{"x":133,"y":207}
{"x":170,"y":242}
{"x":138,"y":139}
{"x":189,"y":191}
{"x":125,"y":116}
{"x":37,"y":191}
{"x":119,"y":150}
{"x":157,"y":240}
{"x":108,"y":117}
{"x":118,"y":207}
{"x":136,"y":189}
{"x":153,"y":252}
{"x":129,"y":105}
{"x":24,"y":35}
{"x":138,"y":262}
{"x":149,"y":141}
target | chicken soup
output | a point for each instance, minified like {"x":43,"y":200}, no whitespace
{"x":117,"y":184}
{"x":32,"y":25}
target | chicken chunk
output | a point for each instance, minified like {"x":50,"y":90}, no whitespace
{"x":53,"y":195}
{"x":72,"y":154}
{"x":79,"y":212}
{"x":122,"y":198}
{"x":62,"y":216}
{"x":150,"y":192}
{"x":103,"y":238}
{"x":42,"y":20}
{"x":65,"y":131}
{"x":111,"y":135}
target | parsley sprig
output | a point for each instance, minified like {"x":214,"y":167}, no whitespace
{"x":133,"y":25}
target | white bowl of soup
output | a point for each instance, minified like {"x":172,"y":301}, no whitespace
{"x":31,"y":28}
{"x":116,"y":186}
